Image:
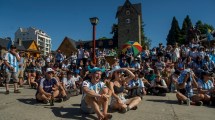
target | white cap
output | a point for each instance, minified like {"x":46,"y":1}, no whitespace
{"x":49,"y":70}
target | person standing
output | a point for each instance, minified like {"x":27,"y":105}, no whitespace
{"x":11,"y":60}
{"x":21,"y":69}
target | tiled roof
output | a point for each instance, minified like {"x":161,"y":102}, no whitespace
{"x":137,"y":7}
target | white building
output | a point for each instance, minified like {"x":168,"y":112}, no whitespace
{"x":42,"y":39}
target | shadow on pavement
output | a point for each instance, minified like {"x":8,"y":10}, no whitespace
{"x":164,"y":101}
{"x":72,"y":113}
{"x":29,"y":101}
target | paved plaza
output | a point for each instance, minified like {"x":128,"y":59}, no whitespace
{"x":24,"y":107}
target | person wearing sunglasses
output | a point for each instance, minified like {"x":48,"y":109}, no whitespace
{"x":49,"y":88}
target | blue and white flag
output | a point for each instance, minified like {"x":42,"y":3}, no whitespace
{"x":209,"y":35}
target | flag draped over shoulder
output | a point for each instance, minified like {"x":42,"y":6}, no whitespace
{"x":209,"y":35}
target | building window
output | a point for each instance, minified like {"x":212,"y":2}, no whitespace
{"x":100,"y":43}
{"x":90,"y":44}
{"x":127,"y":12}
{"x":128,"y":20}
{"x":110,"y":42}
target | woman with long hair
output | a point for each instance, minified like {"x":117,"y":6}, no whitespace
{"x":117,"y":86}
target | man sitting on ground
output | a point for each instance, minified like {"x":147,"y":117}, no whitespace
{"x":49,"y":88}
{"x":95,"y":94}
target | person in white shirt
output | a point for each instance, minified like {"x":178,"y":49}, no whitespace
{"x":95,"y":95}
{"x":80,"y":54}
{"x":69,"y":84}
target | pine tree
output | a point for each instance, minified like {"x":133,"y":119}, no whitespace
{"x":186,"y":26}
{"x":174,"y":33}
{"x":144,"y":40}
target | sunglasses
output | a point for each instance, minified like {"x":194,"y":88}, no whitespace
{"x":50,"y":73}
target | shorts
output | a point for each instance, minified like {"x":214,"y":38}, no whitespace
{"x":190,"y":95}
{"x":20,"y":74}
{"x":85,"y":108}
{"x":12,"y":75}
{"x":114,"y":100}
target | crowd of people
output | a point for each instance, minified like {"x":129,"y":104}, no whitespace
{"x":186,"y":70}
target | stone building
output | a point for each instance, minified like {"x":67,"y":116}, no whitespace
{"x":129,"y":23}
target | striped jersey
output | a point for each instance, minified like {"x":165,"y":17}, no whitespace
{"x":11,"y":59}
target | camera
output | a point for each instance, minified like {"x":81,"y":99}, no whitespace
{"x":137,"y":84}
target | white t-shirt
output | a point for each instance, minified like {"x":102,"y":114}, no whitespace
{"x":68,"y":83}
{"x":95,"y":87}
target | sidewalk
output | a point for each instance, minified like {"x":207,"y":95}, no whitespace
{"x":24,"y":107}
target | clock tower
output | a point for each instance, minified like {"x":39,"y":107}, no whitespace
{"x":129,"y":23}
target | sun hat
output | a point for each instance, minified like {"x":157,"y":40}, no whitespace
{"x":94,"y":69}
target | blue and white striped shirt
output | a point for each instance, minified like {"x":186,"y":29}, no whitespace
{"x":11,"y":59}
{"x":205,"y":85}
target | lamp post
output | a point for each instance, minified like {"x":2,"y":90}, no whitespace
{"x":94,"y":21}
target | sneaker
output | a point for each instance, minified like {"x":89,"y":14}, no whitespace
{"x":59,"y":100}
{"x":180,"y":102}
{"x":65,"y":98}
{"x":7,"y":92}
{"x":45,"y":101}
{"x":134,"y":108}
{"x":188,"y":102}
{"x":108,"y":116}
{"x":123,"y":110}
{"x":17,"y":91}
{"x":200,"y":103}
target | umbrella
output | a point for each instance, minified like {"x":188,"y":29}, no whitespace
{"x":134,"y":46}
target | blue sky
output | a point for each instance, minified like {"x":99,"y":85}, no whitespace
{"x":60,"y":18}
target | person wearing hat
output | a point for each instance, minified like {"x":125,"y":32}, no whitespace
{"x":11,"y":60}
{"x":49,"y":88}
{"x":95,"y":94}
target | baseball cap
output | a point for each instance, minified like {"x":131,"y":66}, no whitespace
{"x":49,"y":70}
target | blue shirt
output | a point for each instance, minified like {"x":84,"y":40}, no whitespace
{"x":48,"y":84}
{"x":133,"y":83}
{"x":12,"y":60}
{"x":188,"y":84}
{"x":95,"y":87}
{"x":205,"y":85}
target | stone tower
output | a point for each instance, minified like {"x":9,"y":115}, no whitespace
{"x":129,"y":23}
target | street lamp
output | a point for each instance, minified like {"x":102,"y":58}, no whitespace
{"x":94,"y":21}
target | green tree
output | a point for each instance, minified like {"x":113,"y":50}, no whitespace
{"x":186,"y":26}
{"x":145,"y":41}
{"x":203,"y":27}
{"x":103,"y":38}
{"x":174,"y":33}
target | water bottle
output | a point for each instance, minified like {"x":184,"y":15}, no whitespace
{"x":52,"y":99}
